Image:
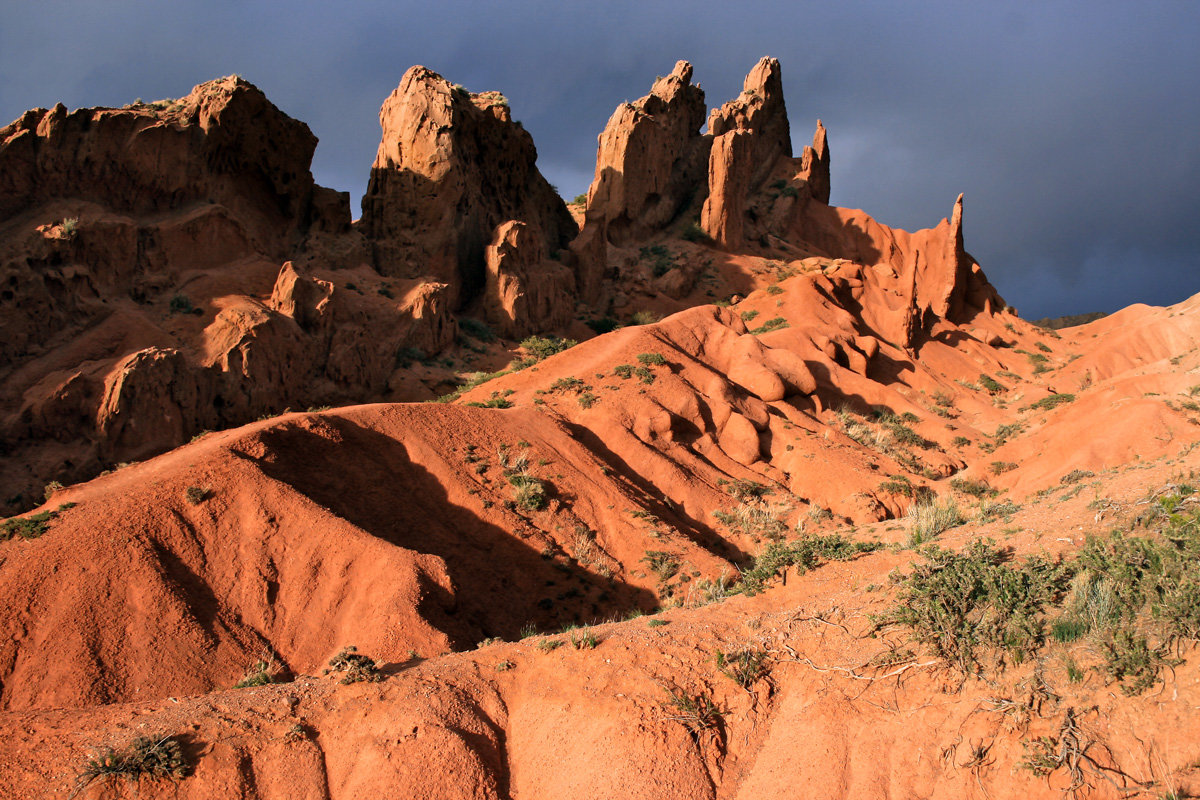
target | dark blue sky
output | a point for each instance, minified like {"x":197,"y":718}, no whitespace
{"x":1072,"y":128}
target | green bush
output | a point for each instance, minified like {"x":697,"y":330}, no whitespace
{"x":542,"y":347}
{"x":30,"y":527}
{"x":773,"y":324}
{"x":992,"y":385}
{"x":694,"y":233}
{"x":804,"y":554}
{"x":1052,"y":401}
{"x":655,"y":359}
{"x":476,"y":329}
{"x":664,"y":565}
{"x":493,"y":402}
{"x":196,"y":494}
{"x":603,"y":325}
{"x":973,"y":488}
{"x":959,"y":604}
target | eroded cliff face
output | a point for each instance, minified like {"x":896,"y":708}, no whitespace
{"x":451,"y":168}
{"x":139,"y":248}
{"x":176,"y":261}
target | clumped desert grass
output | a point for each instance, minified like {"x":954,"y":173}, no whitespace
{"x":754,"y":518}
{"x":929,"y":520}
{"x":355,"y":666}
{"x":146,"y":756}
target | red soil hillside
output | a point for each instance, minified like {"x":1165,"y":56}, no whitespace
{"x":849,"y":529}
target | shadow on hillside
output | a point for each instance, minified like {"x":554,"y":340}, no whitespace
{"x":500,"y":583}
{"x":698,"y":532}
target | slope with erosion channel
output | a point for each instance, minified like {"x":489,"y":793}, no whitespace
{"x":396,"y":528}
{"x":811,"y":682}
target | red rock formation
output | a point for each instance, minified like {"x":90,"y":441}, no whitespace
{"x":224,"y":143}
{"x":136,"y":246}
{"x":760,"y":111}
{"x":526,"y":293}
{"x":451,"y":167}
{"x":649,"y":162}
{"x":649,"y":159}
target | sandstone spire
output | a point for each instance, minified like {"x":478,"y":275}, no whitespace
{"x":451,"y":167}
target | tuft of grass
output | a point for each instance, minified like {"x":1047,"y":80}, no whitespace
{"x":585,"y":641}
{"x":651,"y":359}
{"x":696,"y":712}
{"x":901,"y":485}
{"x":1000,"y":467}
{"x":529,"y":492}
{"x":708,"y":591}
{"x":743,"y":490}
{"x":931,"y":519}
{"x":754,"y":519}
{"x":1075,"y":476}
{"x":258,"y":675}
{"x":743,"y":667}
{"x":357,"y":667}
{"x":196,"y":494}
{"x":664,"y":565}
{"x":804,"y":554}
{"x":146,"y":756}
{"x":1052,"y":401}
{"x":547,"y":645}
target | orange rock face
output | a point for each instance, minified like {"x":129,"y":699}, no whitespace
{"x":451,"y":167}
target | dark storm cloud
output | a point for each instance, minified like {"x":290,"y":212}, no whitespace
{"x":1070,"y":127}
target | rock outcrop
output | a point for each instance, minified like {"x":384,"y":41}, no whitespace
{"x":224,"y":143}
{"x":138,"y":248}
{"x":451,"y":167}
{"x":649,"y":162}
{"x":526,"y":292}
